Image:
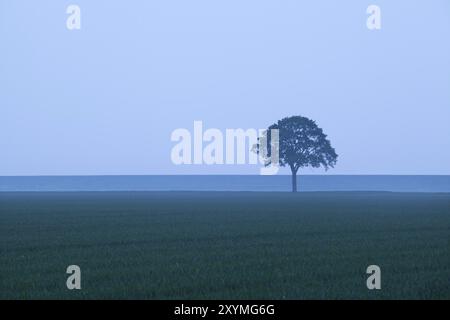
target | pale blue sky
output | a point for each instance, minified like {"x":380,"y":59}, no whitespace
{"x":105,"y":99}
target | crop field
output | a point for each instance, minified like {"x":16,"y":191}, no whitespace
{"x":224,"y":245}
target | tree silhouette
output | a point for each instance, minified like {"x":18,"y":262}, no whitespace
{"x":301,"y":144}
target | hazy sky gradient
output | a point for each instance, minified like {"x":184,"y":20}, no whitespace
{"x":105,"y":99}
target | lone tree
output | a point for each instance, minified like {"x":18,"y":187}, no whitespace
{"x":301,"y":144}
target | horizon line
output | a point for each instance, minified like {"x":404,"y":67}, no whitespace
{"x":217,"y":174}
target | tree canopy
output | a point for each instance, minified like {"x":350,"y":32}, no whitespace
{"x":301,"y":144}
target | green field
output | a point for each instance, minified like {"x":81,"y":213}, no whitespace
{"x":224,"y":245}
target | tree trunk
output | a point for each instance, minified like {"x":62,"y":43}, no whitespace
{"x":294,"y":181}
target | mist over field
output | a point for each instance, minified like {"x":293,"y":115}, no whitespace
{"x":225,"y":245}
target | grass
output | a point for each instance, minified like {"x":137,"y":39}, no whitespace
{"x":225,"y":245}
